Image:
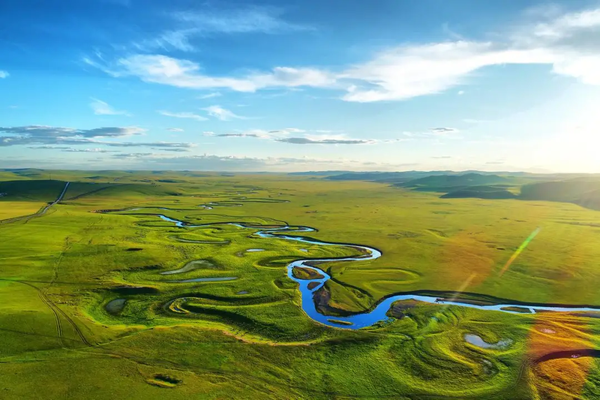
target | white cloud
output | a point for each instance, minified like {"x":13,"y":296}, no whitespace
{"x":569,"y":43}
{"x":568,"y":25}
{"x":222,"y":113}
{"x":210,"y":95}
{"x":95,"y":150}
{"x":4,"y":74}
{"x":176,"y":39}
{"x":209,"y":22}
{"x":460,"y":92}
{"x":443,"y":130}
{"x":312,"y":138}
{"x":61,"y":132}
{"x":42,"y":134}
{"x":281,"y":135}
{"x":175,"y":129}
{"x":187,"y":74}
{"x":102,"y":108}
{"x":253,"y":135}
{"x":411,"y":71}
{"x":208,"y":162}
{"x":304,"y":140}
{"x":251,"y":19}
{"x":187,"y":115}
{"x":286,"y":131}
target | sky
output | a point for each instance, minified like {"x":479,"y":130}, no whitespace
{"x":300,"y":85}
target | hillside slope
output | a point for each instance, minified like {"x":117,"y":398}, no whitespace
{"x":582,"y":191}
{"x":444,"y":183}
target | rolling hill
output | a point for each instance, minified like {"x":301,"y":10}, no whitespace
{"x":444,"y":183}
{"x":582,"y":191}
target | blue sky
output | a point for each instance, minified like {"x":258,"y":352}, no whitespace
{"x":300,"y":85}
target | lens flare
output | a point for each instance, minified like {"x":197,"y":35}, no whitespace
{"x":461,"y":289}
{"x":520,"y":250}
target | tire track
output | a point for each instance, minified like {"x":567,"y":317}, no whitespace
{"x":41,"y":212}
{"x":46,"y":301}
{"x":58,"y":312}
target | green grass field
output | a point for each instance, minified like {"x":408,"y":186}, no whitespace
{"x":248,"y":337}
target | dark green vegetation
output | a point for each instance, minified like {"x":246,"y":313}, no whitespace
{"x":92,"y":303}
{"x":449,"y":182}
{"x":480,"y":192}
{"x":582,"y":191}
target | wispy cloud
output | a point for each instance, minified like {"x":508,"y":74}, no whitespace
{"x":175,"y":129}
{"x":240,"y":163}
{"x":96,"y":150}
{"x":443,"y":130}
{"x":569,"y":43}
{"x":209,"y":95}
{"x":49,"y":135}
{"x":287,"y":131}
{"x":132,"y":155}
{"x":282,"y":135}
{"x":48,"y":147}
{"x":253,"y":135}
{"x":434,"y":134}
{"x":187,"y":74}
{"x":188,"y":115}
{"x":252,"y":19}
{"x":175,"y":150}
{"x":52,"y":131}
{"x":212,"y":22}
{"x":102,"y":108}
{"x":4,"y":74}
{"x":222,"y":113}
{"x":163,"y":145}
{"x":168,"y":40}
{"x":298,"y":140}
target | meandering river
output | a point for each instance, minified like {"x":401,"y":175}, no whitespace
{"x":377,"y":314}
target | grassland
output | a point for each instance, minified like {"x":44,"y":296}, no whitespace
{"x":248,"y":337}
{"x":12,"y":209}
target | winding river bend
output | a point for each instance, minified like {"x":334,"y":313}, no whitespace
{"x":378,"y":313}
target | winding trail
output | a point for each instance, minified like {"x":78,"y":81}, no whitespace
{"x":58,"y":313}
{"x":379,"y":312}
{"x":40,"y":212}
{"x":56,"y":310}
{"x":58,"y":200}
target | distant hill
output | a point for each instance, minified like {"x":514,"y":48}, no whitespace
{"x":121,"y":190}
{"x":385,"y":177}
{"x":443,"y":183}
{"x":480,"y":192}
{"x":31,"y":190}
{"x":582,"y":191}
{"x":407,"y":176}
{"x":318,"y":173}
